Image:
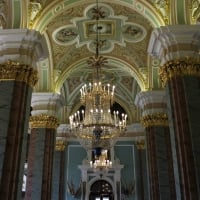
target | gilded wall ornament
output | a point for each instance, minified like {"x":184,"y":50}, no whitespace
{"x":18,"y":72}
{"x":162,"y":7}
{"x":60,"y":145}
{"x":188,"y":67}
{"x":43,"y":121}
{"x":140,"y":145}
{"x":195,"y":11}
{"x":157,"y":119}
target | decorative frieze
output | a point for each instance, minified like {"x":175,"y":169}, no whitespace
{"x":43,"y":121}
{"x":18,"y":72}
{"x":156,"y":119}
{"x":187,"y":67}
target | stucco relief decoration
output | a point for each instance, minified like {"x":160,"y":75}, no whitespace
{"x":35,"y":8}
{"x":133,"y":32}
{"x":162,"y":7}
{"x":195,"y":7}
{"x":2,"y":14}
{"x":113,"y":30}
{"x":66,"y":35}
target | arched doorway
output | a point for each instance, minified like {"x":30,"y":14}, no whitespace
{"x":101,"y":190}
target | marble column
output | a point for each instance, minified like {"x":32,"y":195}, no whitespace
{"x":58,"y":170}
{"x":141,"y":171}
{"x":180,"y":75}
{"x":40,"y":157}
{"x":159,"y":155}
{"x":20,"y":50}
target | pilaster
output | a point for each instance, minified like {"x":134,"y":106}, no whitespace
{"x":141,"y":170}
{"x":58,"y":170}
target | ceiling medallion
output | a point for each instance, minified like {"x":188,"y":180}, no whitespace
{"x":114,"y":30}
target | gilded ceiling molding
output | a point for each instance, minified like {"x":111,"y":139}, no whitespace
{"x":156,"y":119}
{"x":187,"y":67}
{"x":18,"y":72}
{"x":60,"y":145}
{"x":163,"y":9}
{"x":194,"y":8}
{"x":54,"y":9}
{"x":43,"y":121}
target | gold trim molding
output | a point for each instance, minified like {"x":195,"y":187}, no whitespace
{"x":188,"y":67}
{"x":60,"y":145}
{"x":157,"y":119}
{"x":18,"y":72}
{"x":43,"y":121}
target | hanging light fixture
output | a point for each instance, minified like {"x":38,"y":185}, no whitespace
{"x":96,"y":126}
{"x":101,"y":161}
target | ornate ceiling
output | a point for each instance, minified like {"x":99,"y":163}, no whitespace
{"x":70,"y":32}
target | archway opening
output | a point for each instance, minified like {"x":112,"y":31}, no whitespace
{"x":101,"y":190}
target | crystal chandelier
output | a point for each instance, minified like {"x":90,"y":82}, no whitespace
{"x":96,"y":126}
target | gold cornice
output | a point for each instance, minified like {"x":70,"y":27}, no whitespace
{"x":140,"y":145}
{"x":43,"y":121}
{"x":188,"y":67}
{"x":18,"y":72}
{"x":60,"y":145}
{"x":157,"y":119}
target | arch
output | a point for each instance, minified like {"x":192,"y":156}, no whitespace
{"x":96,"y":179}
{"x":132,"y":71}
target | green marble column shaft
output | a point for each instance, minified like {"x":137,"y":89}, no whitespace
{"x":182,"y":80}
{"x":161,"y":176}
{"x":184,"y":95}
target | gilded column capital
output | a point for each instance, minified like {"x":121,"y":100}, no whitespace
{"x":140,"y":145}
{"x":187,"y":67}
{"x":60,"y":145}
{"x":156,"y":119}
{"x":18,"y":72}
{"x":43,"y":121}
